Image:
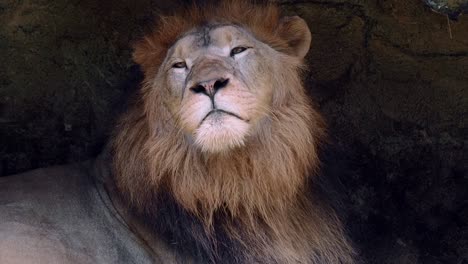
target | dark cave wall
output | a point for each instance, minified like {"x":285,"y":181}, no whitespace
{"x":390,"y":81}
{"x":63,"y":63}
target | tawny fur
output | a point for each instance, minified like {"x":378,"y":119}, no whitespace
{"x":261,"y":184}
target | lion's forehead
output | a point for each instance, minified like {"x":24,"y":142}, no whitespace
{"x":216,"y":39}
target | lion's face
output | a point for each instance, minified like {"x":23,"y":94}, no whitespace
{"x":218,"y":87}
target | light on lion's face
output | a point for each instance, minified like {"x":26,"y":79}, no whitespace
{"x":218,"y":85}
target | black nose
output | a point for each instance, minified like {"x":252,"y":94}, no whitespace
{"x":210,"y":87}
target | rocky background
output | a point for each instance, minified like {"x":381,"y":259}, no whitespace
{"x":390,"y":76}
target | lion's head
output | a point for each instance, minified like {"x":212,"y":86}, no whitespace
{"x":220,"y":82}
{"x":223,"y":124}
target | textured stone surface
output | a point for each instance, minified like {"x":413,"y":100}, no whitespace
{"x":452,"y":8}
{"x":389,"y":78}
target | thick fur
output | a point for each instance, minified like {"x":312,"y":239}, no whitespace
{"x":252,"y":203}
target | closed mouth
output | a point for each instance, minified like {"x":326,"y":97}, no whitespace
{"x":214,"y":111}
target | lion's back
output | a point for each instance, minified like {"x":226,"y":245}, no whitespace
{"x":58,"y":215}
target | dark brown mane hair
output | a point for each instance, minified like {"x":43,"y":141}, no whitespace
{"x":259,"y":191}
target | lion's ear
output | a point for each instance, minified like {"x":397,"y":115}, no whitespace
{"x":148,"y":55}
{"x":140,"y":51}
{"x":296,"y":33}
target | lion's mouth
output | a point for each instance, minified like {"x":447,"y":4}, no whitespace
{"x":220,"y":112}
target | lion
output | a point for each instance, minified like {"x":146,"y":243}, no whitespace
{"x":215,"y":161}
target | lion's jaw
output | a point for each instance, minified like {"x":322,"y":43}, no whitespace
{"x":216,"y":95}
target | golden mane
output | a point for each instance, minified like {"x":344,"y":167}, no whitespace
{"x":261,"y":188}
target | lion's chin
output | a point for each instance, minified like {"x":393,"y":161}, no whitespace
{"x":220,"y":133}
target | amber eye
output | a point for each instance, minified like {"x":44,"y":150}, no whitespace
{"x":237,"y":50}
{"x":179,"y":65}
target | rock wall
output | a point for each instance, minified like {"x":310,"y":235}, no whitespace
{"x":390,"y":76}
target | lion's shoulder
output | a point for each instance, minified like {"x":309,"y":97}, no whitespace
{"x":58,"y":215}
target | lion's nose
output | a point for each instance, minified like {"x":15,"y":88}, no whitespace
{"x":210,"y":87}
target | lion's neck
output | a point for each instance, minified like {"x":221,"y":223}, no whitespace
{"x":243,"y":201}
{"x":259,"y":180}
{"x":248,"y":206}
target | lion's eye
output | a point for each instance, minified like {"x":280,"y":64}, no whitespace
{"x":237,"y":50}
{"x":179,"y":65}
